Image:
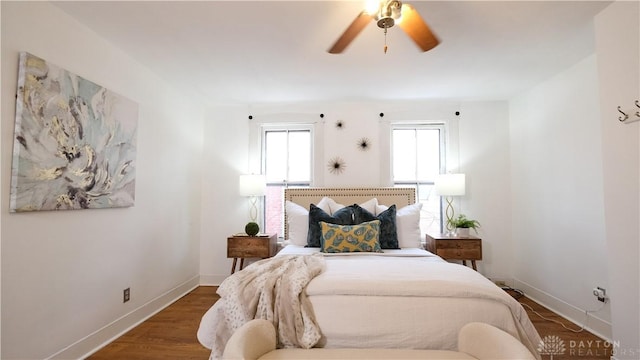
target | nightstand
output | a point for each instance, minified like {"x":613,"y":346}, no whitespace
{"x":456,"y":248}
{"x":245,"y":246}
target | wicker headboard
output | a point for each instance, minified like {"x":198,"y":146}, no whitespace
{"x":387,"y":196}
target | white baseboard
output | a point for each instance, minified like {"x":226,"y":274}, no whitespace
{"x":97,"y":340}
{"x":595,"y":325}
{"x":212,"y":280}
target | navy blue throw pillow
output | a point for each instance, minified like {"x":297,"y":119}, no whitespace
{"x":388,"y":228}
{"x":344,"y":216}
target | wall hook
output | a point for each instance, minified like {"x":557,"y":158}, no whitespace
{"x":623,"y":117}
{"x":638,"y":106}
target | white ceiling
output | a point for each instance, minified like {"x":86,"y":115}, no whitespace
{"x":252,"y":52}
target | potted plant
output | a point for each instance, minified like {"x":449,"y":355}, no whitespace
{"x":462,"y":225}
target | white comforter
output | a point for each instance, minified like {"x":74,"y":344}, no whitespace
{"x":405,"y":298}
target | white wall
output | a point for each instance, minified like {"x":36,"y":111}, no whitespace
{"x":484,"y":155}
{"x":63,"y":273}
{"x":618,"y":51}
{"x":224,"y":211}
{"x":557,"y":207}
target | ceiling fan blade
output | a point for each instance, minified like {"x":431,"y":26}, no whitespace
{"x":352,"y":31}
{"x":417,"y":29}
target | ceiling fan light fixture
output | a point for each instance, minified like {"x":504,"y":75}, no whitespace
{"x":386,"y":14}
{"x":386,"y":23}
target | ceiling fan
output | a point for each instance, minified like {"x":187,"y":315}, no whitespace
{"x":388,"y":13}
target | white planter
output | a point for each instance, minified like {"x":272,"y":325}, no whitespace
{"x":463,"y":232}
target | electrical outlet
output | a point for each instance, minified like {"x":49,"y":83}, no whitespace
{"x":126,"y":295}
{"x":600,"y":293}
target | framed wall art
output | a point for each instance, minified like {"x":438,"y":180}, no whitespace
{"x":74,"y":142}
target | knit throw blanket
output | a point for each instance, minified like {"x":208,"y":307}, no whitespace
{"x":271,"y":289}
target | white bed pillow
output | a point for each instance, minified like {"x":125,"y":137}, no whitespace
{"x":407,"y":225}
{"x":325,"y":205}
{"x":298,"y":220}
{"x":334,"y":206}
{"x":369,"y":205}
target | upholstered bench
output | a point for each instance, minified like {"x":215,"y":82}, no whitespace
{"x":257,"y":340}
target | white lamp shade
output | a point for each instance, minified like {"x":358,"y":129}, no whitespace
{"x":253,"y":185}
{"x":450,"y":185}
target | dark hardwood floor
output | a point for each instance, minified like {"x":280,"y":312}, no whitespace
{"x":171,"y":334}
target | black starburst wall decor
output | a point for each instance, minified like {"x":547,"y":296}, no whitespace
{"x":339,"y":124}
{"x":336,"y":165}
{"x":364,"y":144}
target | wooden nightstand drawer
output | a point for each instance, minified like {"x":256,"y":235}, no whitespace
{"x":245,"y":247}
{"x":455,"y":248}
{"x":460,"y":254}
{"x":459,"y":249}
{"x":459,"y":244}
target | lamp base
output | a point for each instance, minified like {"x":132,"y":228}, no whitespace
{"x":449,"y":213}
{"x":253,"y":212}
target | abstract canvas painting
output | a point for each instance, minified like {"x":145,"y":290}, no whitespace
{"x":74,"y":142}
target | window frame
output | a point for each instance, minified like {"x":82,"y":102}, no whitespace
{"x":442,"y":128}
{"x":288,"y":128}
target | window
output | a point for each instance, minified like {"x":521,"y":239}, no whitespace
{"x":286,"y":158}
{"x":417,"y":158}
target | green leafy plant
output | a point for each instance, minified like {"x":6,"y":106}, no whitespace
{"x":462,"y":222}
{"x":252,"y":229}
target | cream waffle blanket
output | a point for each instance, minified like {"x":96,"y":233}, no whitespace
{"x":271,"y":289}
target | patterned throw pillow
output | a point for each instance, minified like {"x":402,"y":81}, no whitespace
{"x":351,"y":238}
{"x":388,"y":232}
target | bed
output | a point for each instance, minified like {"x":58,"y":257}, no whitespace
{"x":398,"y":296}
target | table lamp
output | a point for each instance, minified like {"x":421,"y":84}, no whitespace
{"x":253,"y":186}
{"x":450,"y":185}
